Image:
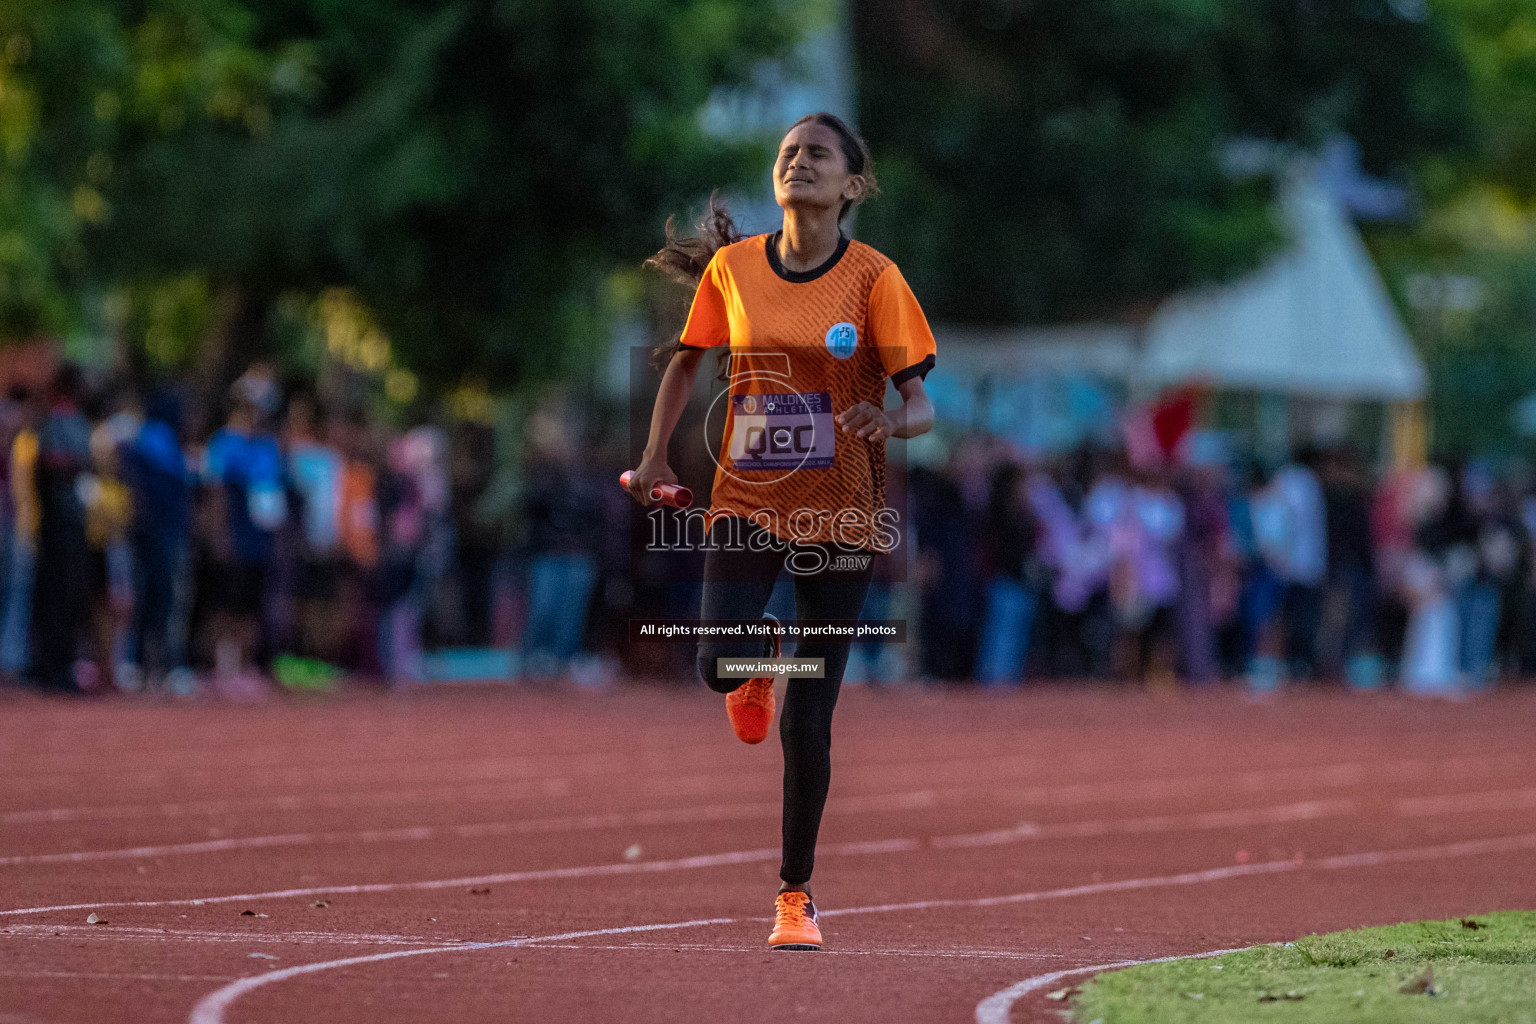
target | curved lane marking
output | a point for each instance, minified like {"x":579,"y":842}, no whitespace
{"x":210,"y":1009}
{"x":996,"y":1008}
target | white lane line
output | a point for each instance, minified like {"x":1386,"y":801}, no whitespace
{"x":309,"y":801}
{"x":546,"y":874}
{"x":238,"y":759}
{"x":529,"y":768}
{"x":130,"y":933}
{"x":997,"y":1008}
{"x":16,"y":1018}
{"x":115,"y":933}
{"x":1306,"y":811}
{"x":1470,"y":848}
{"x":922,"y":954}
{"x":86,"y":976}
{"x":210,"y":1009}
{"x":1495,"y":800}
{"x":1059,"y":793}
{"x":224,"y":845}
{"x":1145,"y":789}
{"x":659,"y":767}
{"x":918,"y":800}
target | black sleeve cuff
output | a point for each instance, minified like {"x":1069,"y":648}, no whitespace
{"x":919,"y":370}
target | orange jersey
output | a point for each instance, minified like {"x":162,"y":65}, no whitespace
{"x":804,"y":348}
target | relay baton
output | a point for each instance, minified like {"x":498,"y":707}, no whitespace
{"x":668,"y":494}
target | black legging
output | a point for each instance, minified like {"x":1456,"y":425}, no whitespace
{"x":737,"y":585}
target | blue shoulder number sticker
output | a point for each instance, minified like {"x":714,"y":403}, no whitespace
{"x":842,"y":339}
{"x":783,"y":432}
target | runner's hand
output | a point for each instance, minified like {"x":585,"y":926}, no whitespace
{"x":866,"y":420}
{"x":647,"y":475}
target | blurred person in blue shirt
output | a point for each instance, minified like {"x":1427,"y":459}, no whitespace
{"x":315,"y":472}
{"x":1013,"y":592}
{"x":243,"y":472}
{"x":156,"y":471}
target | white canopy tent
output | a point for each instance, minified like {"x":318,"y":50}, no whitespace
{"x":1314,"y":322}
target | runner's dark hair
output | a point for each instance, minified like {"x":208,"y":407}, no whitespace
{"x":685,"y":257}
{"x":855,"y":151}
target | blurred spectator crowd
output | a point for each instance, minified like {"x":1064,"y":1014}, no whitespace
{"x":295,"y":541}
{"x":1094,"y":565}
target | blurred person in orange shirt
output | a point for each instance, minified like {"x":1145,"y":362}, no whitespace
{"x":359,"y":538}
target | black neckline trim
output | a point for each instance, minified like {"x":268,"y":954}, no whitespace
{"x":771,"y":247}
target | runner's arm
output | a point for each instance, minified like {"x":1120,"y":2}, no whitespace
{"x":671,"y":400}
{"x":913,"y":417}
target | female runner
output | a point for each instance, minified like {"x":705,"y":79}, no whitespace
{"x":816,"y":324}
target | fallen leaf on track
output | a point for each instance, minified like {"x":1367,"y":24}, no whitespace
{"x":94,"y":919}
{"x":262,"y":956}
{"x":320,"y":904}
{"x":1062,"y":994}
{"x":632,"y":852}
{"x":480,"y":892}
{"x":247,"y":913}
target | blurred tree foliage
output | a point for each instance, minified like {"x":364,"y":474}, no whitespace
{"x":473,"y":170}
{"x":1065,"y":158}
{"x":83,"y":86}
{"x":1464,"y":272}
{"x":1497,"y":42}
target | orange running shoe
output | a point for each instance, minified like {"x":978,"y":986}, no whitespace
{"x":794,"y":923}
{"x":750,"y":705}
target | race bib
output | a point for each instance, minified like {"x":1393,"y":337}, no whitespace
{"x":783,"y":432}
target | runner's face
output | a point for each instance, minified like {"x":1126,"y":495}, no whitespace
{"x":811,"y":172}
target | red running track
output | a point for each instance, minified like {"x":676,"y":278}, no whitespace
{"x":498,"y":855}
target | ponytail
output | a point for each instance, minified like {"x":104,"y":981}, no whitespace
{"x":685,"y":257}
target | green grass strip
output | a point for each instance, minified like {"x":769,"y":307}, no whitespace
{"x":1478,"y":970}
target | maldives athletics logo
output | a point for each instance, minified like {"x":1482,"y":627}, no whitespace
{"x":842,"y":339}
